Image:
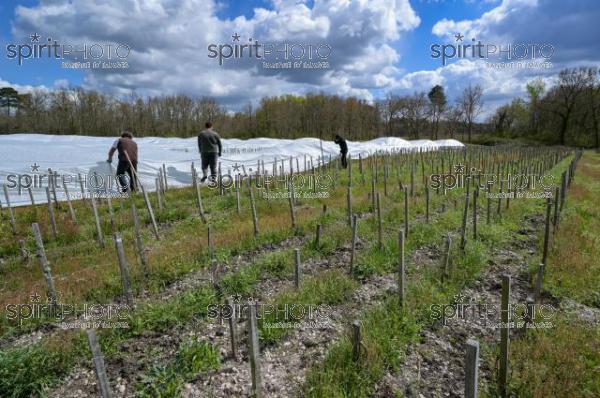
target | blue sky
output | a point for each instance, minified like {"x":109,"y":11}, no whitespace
{"x":378,"y":46}
{"x":430,"y":12}
{"x":44,"y":72}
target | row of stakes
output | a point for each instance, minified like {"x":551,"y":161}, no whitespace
{"x":253,"y":337}
{"x":161,"y":186}
{"x":472,"y":346}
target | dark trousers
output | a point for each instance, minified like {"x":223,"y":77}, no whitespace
{"x":125,"y":177}
{"x":344,"y":160}
{"x":209,"y":160}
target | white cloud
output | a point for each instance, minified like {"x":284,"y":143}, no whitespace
{"x":570,"y":27}
{"x":484,"y":24}
{"x":499,"y":85}
{"x":169,"y":41}
{"x":22,"y":88}
{"x":61,"y":83}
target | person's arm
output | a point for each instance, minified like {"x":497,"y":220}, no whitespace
{"x":219,"y":144}
{"x":199,"y":145}
{"x":112,"y":150}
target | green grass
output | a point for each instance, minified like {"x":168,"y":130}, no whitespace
{"x":389,"y":329}
{"x":183,"y":249}
{"x":151,"y":317}
{"x":242,"y":282}
{"x":194,"y":357}
{"x":573,"y":268}
{"x":385,"y":333}
{"x":26,"y":371}
{"x":564,"y":360}
{"x":330,"y":287}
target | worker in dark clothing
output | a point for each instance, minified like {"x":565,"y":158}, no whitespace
{"x":125,"y":176}
{"x":343,"y":149}
{"x":209,"y":145}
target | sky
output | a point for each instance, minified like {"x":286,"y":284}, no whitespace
{"x":367,"y":48}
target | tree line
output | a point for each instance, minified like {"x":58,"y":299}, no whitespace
{"x":566,"y":113}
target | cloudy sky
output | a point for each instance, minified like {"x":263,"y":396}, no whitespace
{"x":377,"y":46}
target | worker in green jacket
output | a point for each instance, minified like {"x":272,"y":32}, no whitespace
{"x":209,"y":145}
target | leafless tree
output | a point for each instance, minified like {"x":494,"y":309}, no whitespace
{"x":471,"y":103}
{"x":454,"y":117}
{"x":413,"y":110}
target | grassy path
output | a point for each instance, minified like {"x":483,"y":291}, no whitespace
{"x":564,"y":361}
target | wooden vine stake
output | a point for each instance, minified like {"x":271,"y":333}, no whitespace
{"x":13,"y":224}
{"x":356,"y":341}
{"x":318,"y":235}
{"x":471,"y":368}
{"x":31,"y":198}
{"x":80,"y":180}
{"x":349,"y":205}
{"x":139,"y":242}
{"x":353,"y":248}
{"x":151,"y":212}
{"x":504,"y":337}
{"x":98,"y":364}
{"x":556,"y":211}
{"x":379,"y":223}
{"x":475,"y":197}
{"x":489,"y":203}
{"x":539,"y":282}
{"x":547,"y":231}
{"x":254,"y":352}
{"x":164,"y":173}
{"x":463,"y":230}
{"x":41,"y":252}
{"x":237,"y":198}
{"x":158,"y":193}
{"x":99,"y":234}
{"x":199,"y":196}
{"x":401,"y":270}
{"x":211,"y":247}
{"x":291,"y":203}
{"x":446,"y":258}
{"x":125,"y":281}
{"x":254,"y":214}
{"x":297,"y":268}
{"x":405,"y":212}
{"x":426,"y":200}
{"x":68,"y":197}
{"x":232,"y":328}
{"x":51,"y":214}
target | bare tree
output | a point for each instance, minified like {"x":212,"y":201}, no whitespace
{"x":454,"y":117}
{"x":471,"y":103}
{"x":414,"y":110}
{"x":389,"y":108}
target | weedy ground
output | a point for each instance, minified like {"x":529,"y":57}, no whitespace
{"x":564,"y":361}
{"x":85,"y":272}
